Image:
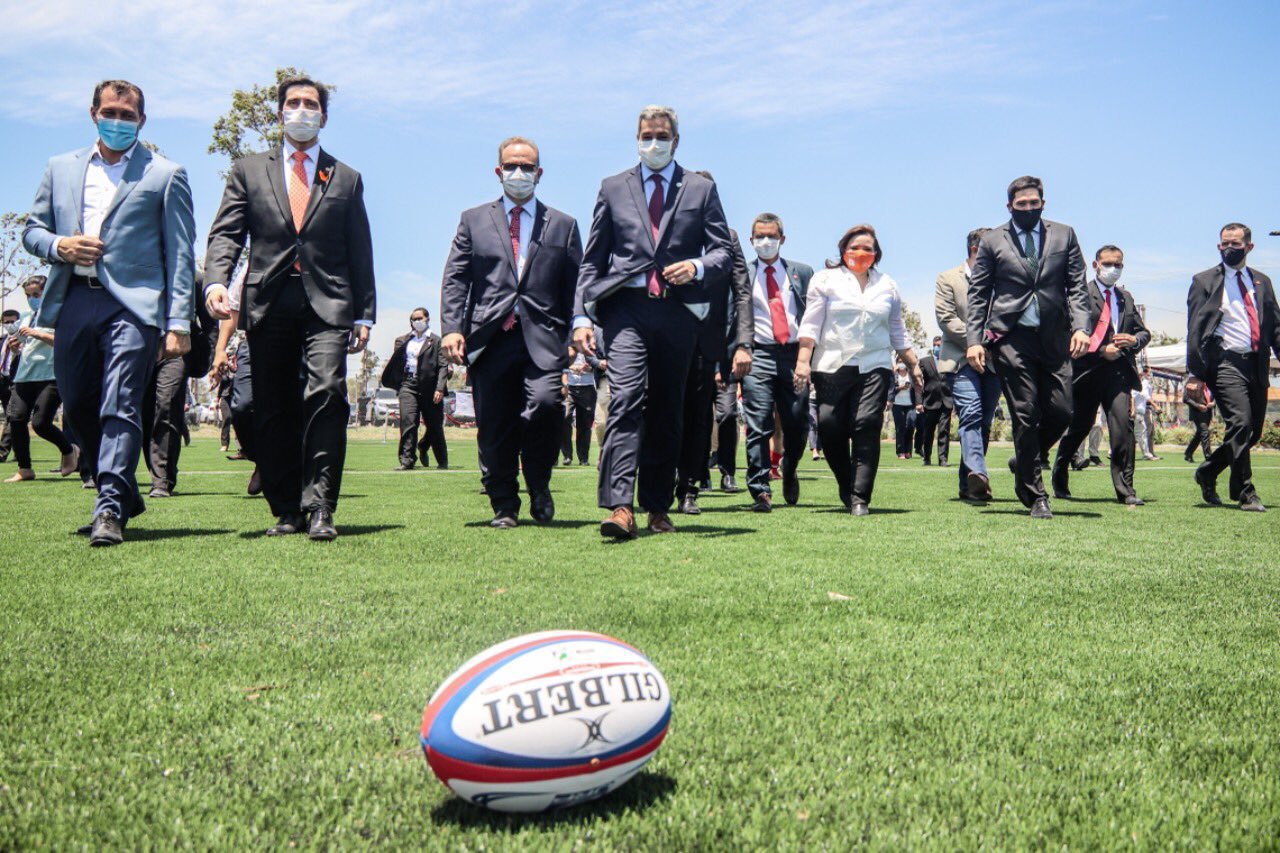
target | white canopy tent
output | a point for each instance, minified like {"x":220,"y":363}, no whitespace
{"x":1173,"y":358}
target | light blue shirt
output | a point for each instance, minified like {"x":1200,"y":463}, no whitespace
{"x":529,"y":205}
{"x":37,"y":356}
{"x":1031,"y":316}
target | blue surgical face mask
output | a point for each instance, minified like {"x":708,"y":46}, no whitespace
{"x":117,"y":134}
{"x":34,"y":302}
{"x":937,"y":351}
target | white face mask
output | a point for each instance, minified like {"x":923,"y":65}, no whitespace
{"x":766,"y":247}
{"x":419,"y":326}
{"x":302,"y":125}
{"x":1109,"y":275}
{"x":10,"y":328}
{"x":518,"y":185}
{"x":656,"y":153}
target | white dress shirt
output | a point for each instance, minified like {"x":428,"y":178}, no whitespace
{"x":1109,"y":295}
{"x":851,"y":326}
{"x":236,"y":289}
{"x":526,"y":227}
{"x":101,"y":180}
{"x":760,"y":302}
{"x":1142,"y":396}
{"x":1031,"y":316}
{"x":1234,"y":326}
{"x":412,"y":350}
{"x":308,"y":164}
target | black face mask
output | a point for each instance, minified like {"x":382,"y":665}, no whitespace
{"x":1027,"y":220}
{"x":1233,"y":257}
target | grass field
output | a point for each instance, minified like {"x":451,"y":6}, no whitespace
{"x":1106,"y":679}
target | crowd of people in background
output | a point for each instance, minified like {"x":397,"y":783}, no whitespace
{"x":655,"y":331}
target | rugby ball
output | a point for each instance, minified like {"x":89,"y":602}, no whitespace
{"x":545,"y":721}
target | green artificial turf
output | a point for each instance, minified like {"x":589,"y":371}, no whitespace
{"x":1109,"y":678}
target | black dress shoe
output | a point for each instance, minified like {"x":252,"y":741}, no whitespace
{"x":790,"y":485}
{"x":254,"y":486}
{"x":689,"y":504}
{"x":542,"y":507}
{"x":84,"y":529}
{"x":1132,"y":500}
{"x":321,"y":528}
{"x":106,"y":530}
{"x":1189,"y":458}
{"x":979,"y":487}
{"x":1252,"y":504}
{"x":288,"y":524}
{"x":159,"y":492}
{"x":1208,"y":491}
{"x":1013,"y":465}
{"x":764,"y":503}
{"x":1095,"y":461}
{"x":728,"y":485}
{"x":405,"y":466}
{"x":1040,"y":508}
{"x":705,"y":485}
{"x":503,"y":521}
{"x":859,"y":508}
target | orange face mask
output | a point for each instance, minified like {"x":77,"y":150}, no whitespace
{"x":859,"y":260}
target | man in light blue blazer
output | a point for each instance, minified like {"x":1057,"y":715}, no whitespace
{"x":115,"y":223}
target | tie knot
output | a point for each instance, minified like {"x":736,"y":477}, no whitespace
{"x":517,"y":210}
{"x":298,"y":156}
{"x":656,"y":178}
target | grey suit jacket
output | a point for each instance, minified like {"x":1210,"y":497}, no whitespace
{"x":620,"y":244}
{"x":798,"y":276}
{"x":1002,"y":285}
{"x":951,"y":306}
{"x":480,"y":287}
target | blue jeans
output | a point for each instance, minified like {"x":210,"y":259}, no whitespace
{"x":976,"y":396}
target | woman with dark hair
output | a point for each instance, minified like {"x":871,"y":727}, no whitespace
{"x":852,"y":328}
{"x":35,"y":397}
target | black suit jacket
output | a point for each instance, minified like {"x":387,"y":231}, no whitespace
{"x":620,"y":244}
{"x":728,"y":323}
{"x":1204,"y":313}
{"x":204,"y":336}
{"x":1130,"y":324}
{"x":1002,"y":284}
{"x":936,"y":395}
{"x":433,"y":367}
{"x":480,"y":286}
{"x":333,"y":246}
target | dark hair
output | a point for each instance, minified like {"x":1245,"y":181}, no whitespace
{"x":282,"y":92}
{"x":704,"y":173}
{"x":975,"y":237}
{"x":1108,"y":248}
{"x":855,"y":231}
{"x":9,"y":312}
{"x":1234,"y":226}
{"x":120,"y":87}
{"x":33,"y":279}
{"x":1026,"y":182}
{"x":419,"y":308}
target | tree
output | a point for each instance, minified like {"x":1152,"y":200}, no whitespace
{"x":369,"y":361}
{"x":16,"y":264}
{"x":916,"y":335}
{"x":1162,"y":339}
{"x":250,"y":124}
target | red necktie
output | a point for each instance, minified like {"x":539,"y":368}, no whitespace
{"x":1255,"y":334}
{"x":1104,"y":323}
{"x":508,"y":323}
{"x":777,"y":311}
{"x":299,"y":194}
{"x":656,"y":202}
{"x":1208,"y":395}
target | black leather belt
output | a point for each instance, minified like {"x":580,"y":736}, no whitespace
{"x":87,"y":281}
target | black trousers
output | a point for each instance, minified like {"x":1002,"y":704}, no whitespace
{"x":699,"y":410}
{"x":770,"y":385}
{"x":933,"y":424}
{"x":6,"y":438}
{"x":163,"y":421}
{"x":1242,"y":401}
{"x":579,"y":415}
{"x":224,"y":412}
{"x":1107,"y":385}
{"x":727,"y":428}
{"x":519,"y":416}
{"x":851,"y":412}
{"x":240,"y":403}
{"x":1037,"y":390}
{"x":651,"y":342}
{"x":34,"y":404}
{"x":299,"y":415}
{"x":904,"y":429}
{"x":1200,"y":422}
{"x":418,"y":403}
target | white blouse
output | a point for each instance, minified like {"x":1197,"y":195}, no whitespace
{"x":852,"y":326}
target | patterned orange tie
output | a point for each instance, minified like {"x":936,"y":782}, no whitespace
{"x":299,"y":192}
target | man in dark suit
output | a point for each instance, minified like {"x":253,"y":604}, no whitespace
{"x":308,"y":301}
{"x":1029,"y":308}
{"x":724,"y":349}
{"x":8,"y":367}
{"x":657,"y":235}
{"x":1233,"y":326}
{"x":418,"y":370}
{"x":506,"y":302}
{"x":778,"y":291}
{"x":936,"y":400}
{"x":1104,"y":376}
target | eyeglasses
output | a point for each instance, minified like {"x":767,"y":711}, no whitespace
{"x":512,"y":168}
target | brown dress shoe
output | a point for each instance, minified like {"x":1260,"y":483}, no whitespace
{"x":621,"y":524}
{"x":660,"y":522}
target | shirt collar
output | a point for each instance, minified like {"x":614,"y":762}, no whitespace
{"x":668,"y":172}
{"x":776,"y":264}
{"x":530,"y":204}
{"x":968,"y":270}
{"x":1230,"y":275}
{"x":312,"y":152}
{"x":97,"y":154}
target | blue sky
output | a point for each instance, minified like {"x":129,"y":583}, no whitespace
{"x":1152,"y":124}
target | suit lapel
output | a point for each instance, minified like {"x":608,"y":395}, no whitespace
{"x":1046,"y":234}
{"x":669,"y":202}
{"x":324,"y":176}
{"x":636,"y":185}
{"x":497,"y":212}
{"x":77,"y":195}
{"x":1215,"y":298}
{"x":275,"y":177}
{"x":535,"y":239}
{"x":133,"y":172}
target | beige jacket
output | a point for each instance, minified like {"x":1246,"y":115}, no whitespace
{"x":951,"y":304}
